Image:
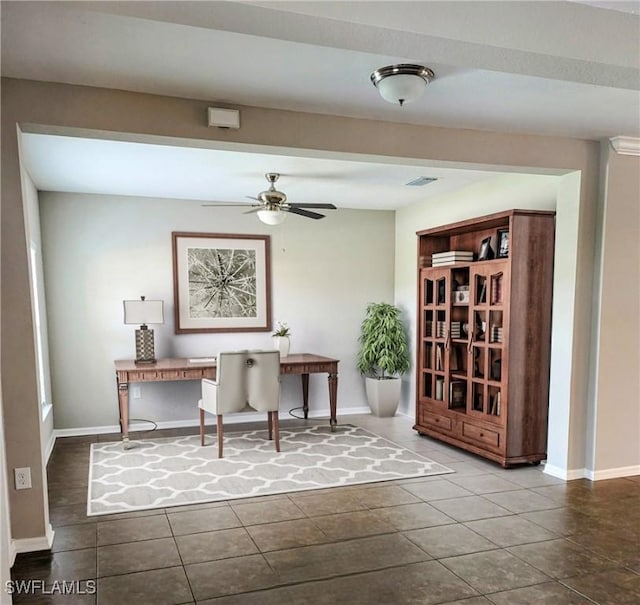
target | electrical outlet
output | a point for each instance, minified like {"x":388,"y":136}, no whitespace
{"x":23,"y":477}
{"x":135,"y":392}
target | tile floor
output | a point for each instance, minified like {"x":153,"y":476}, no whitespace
{"x":482,"y":535}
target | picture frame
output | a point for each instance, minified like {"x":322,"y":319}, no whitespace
{"x":486,"y":251}
{"x":221,"y":282}
{"x":503,"y":243}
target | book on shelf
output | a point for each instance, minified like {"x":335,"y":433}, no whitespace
{"x":457,"y":393}
{"x":461,"y":254}
{"x":495,"y":405}
{"x":439,"y":358}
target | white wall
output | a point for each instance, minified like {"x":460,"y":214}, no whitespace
{"x":616,"y":418}
{"x":100,"y":250}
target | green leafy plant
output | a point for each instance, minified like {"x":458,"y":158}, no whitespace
{"x":282,"y":329}
{"x":384,"y":350}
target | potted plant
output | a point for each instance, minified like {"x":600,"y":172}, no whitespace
{"x":281,"y":338}
{"x":383,"y":357}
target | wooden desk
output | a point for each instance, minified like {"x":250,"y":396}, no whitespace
{"x":163,"y":370}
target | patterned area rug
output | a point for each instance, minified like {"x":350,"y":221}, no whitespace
{"x":156,"y":473}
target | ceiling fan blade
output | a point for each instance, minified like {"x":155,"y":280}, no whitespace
{"x":223,"y":205}
{"x":254,"y":209}
{"x":250,"y":197}
{"x":302,"y":212}
{"x":305,"y":205}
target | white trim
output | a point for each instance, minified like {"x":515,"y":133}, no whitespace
{"x":613,"y":473}
{"x":193,"y":422}
{"x":626,"y":145}
{"x":33,"y":544}
{"x":49,"y":448}
{"x":566,"y":474}
{"x":47,"y":408}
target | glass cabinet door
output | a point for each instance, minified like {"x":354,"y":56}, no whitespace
{"x":488,"y":329}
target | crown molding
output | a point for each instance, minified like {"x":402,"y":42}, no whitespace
{"x":626,"y":145}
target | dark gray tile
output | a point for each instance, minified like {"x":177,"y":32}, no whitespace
{"x":470,"y":508}
{"x":562,"y":521}
{"x":130,"y":530}
{"x":63,"y":497}
{"x":561,"y":558}
{"x":209,"y":519}
{"x":510,"y":531}
{"x":425,"y":583}
{"x":611,"y":587}
{"x":158,"y":587}
{"x":328,"y":502}
{"x":552,"y":593}
{"x":529,"y":477}
{"x":326,"y":560}
{"x":213,"y":545}
{"x":269,"y":511}
{"x":449,"y":541}
{"x":494,"y":571}
{"x":354,"y":525}
{"x":137,"y":556}
{"x":388,"y":495}
{"x":437,"y":490}
{"x":471,"y":601}
{"x":230,"y":576}
{"x":48,"y":567}
{"x":521,"y":501}
{"x":484,"y":484}
{"x":414,"y":516}
{"x":288,"y":534}
{"x":74,"y":537}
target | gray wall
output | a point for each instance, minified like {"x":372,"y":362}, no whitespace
{"x":100,"y":250}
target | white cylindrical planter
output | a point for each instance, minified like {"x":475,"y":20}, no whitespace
{"x":383,"y":395}
{"x":282,"y":343}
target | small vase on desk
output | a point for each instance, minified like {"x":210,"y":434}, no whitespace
{"x":282,"y":344}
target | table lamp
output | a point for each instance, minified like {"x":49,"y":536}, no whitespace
{"x":144,"y":312}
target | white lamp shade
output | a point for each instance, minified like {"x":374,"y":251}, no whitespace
{"x":272,"y":217}
{"x":141,"y":312}
{"x":401,"y":87}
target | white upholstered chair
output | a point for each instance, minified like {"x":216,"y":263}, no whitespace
{"x":245,"y":381}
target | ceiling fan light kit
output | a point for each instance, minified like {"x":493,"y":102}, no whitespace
{"x":273,"y":206}
{"x":401,"y":83}
{"x":272,"y":217}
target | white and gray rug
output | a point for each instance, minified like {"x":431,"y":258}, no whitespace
{"x":156,"y":473}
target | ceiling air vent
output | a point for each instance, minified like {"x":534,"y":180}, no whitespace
{"x":421,"y":181}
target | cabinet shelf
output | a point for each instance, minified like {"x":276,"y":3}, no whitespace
{"x":509,"y":298}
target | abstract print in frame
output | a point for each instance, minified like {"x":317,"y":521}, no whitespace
{"x":221,"y":282}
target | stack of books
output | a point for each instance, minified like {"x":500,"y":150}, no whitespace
{"x":456,"y":329}
{"x":441,"y":329}
{"x":496,"y":334}
{"x":439,"y":259}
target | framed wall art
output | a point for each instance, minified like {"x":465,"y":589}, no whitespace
{"x":221,"y":282}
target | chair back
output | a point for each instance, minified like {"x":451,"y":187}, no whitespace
{"x":263,"y":380}
{"x":233,"y":392}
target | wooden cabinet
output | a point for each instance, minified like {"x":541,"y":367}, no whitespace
{"x":484,"y":335}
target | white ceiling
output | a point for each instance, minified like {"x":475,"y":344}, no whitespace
{"x":555,"y":68}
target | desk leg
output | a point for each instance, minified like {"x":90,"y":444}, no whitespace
{"x":333,"y":400}
{"x":305,"y":395}
{"x":123,"y":402}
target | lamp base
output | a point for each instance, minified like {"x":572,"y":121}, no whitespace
{"x":144,"y":346}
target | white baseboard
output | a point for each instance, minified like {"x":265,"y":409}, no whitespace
{"x":194,"y":422}
{"x":31,"y":544}
{"x":586,"y":473}
{"x":566,"y":474}
{"x":614,"y":473}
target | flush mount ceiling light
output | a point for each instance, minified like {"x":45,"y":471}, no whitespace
{"x":401,"y":83}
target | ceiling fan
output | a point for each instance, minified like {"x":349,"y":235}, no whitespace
{"x":273,"y":204}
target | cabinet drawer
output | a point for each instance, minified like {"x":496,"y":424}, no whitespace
{"x":143,"y":375}
{"x":437,"y":422}
{"x":170,"y":375}
{"x":194,"y":374}
{"x":481,"y":435}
